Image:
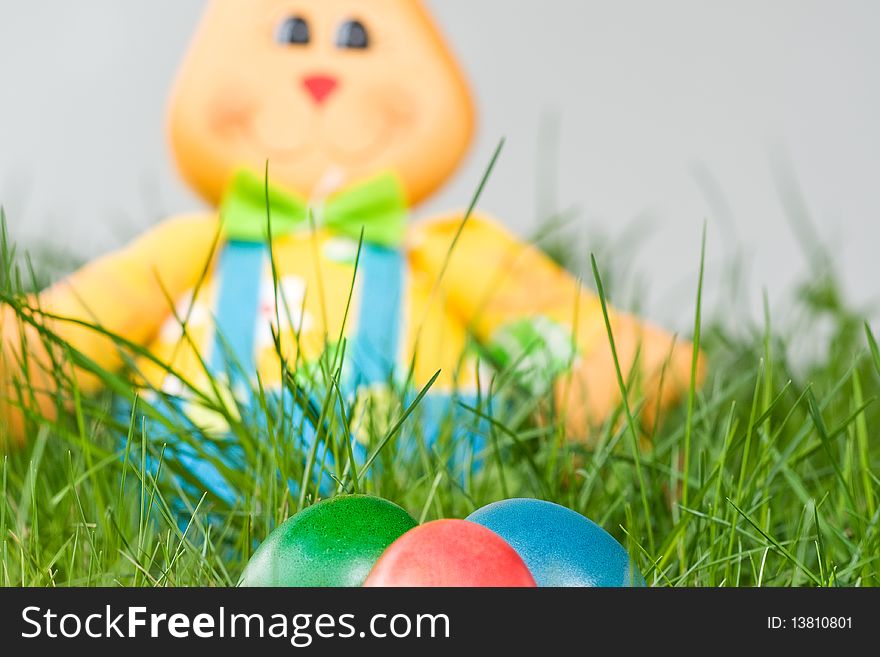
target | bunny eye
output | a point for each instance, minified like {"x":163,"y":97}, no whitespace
{"x":353,"y":34}
{"x":293,"y":31}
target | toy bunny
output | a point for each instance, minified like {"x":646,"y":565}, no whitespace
{"x":361,"y":112}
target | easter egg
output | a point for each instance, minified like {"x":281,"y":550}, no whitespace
{"x":559,"y":546}
{"x":332,"y":543}
{"x":453,"y":553}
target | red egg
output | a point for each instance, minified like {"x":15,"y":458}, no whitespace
{"x":454,"y":553}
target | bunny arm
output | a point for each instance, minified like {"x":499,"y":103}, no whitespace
{"x":505,"y":290}
{"x":125,"y":293}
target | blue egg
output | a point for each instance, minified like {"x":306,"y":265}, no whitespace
{"x":560,"y":547}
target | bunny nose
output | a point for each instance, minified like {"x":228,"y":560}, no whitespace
{"x":320,"y":87}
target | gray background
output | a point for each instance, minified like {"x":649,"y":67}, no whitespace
{"x":648,"y":98}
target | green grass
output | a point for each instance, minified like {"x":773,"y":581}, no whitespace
{"x":765,"y":476}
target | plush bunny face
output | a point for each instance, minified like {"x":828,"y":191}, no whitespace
{"x":328,"y":91}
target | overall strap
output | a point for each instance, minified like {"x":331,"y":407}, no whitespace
{"x":240,"y":273}
{"x":374,"y":349}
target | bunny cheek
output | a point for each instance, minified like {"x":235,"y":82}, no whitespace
{"x":361,"y":128}
{"x":278,"y":132}
{"x":355,"y":130}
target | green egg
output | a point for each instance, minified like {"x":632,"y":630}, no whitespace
{"x":333,"y":543}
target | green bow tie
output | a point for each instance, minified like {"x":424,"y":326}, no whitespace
{"x":376,"y":206}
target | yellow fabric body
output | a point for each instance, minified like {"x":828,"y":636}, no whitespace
{"x":489,"y":279}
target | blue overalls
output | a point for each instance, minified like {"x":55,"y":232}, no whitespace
{"x":371,"y":359}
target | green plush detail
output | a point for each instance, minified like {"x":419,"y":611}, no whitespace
{"x":535,"y":350}
{"x":377,"y":206}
